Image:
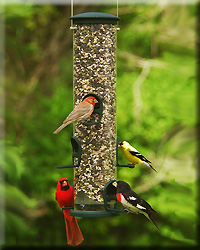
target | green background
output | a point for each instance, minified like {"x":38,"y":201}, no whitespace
{"x":156,"y":113}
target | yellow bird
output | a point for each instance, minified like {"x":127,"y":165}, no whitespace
{"x":132,"y":155}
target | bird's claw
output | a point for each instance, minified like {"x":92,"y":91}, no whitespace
{"x":126,"y":210}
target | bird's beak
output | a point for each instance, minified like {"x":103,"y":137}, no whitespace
{"x":64,"y":184}
{"x":114,"y":183}
{"x":95,"y":101}
{"x":119,"y":146}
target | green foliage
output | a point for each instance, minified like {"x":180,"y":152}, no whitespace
{"x":17,"y":202}
{"x":156,"y":112}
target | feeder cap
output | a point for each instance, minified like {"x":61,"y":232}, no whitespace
{"x":94,"y":18}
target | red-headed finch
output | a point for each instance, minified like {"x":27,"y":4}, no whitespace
{"x":81,"y":112}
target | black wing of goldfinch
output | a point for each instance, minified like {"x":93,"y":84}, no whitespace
{"x":140,"y":156}
{"x":144,"y":159}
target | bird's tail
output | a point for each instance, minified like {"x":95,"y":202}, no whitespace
{"x":146,"y":163}
{"x":78,"y":237}
{"x":60,"y":128}
{"x":149,"y":216}
{"x":69,"y":231}
{"x":74,"y":235}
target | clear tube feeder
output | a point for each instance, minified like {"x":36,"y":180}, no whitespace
{"x":94,"y":48}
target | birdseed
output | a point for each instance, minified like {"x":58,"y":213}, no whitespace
{"x":95,"y":72}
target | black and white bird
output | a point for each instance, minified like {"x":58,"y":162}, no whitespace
{"x":132,"y":201}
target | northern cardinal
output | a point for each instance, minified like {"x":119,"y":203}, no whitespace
{"x":132,"y":201}
{"x":65,"y":198}
{"x":81,"y":112}
{"x":132,"y":155}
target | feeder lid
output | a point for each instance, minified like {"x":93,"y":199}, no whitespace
{"x":95,"y":18}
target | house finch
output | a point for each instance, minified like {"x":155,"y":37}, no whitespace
{"x":81,"y":112}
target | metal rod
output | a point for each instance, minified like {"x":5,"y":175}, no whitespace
{"x":117,"y":14}
{"x":117,"y":9}
{"x":72,"y":11}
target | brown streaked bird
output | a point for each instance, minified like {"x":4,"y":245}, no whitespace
{"x":81,"y":112}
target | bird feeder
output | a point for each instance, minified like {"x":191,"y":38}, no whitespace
{"x":94,"y":141}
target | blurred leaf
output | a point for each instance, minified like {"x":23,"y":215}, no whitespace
{"x":14,"y":165}
{"x":17,"y":200}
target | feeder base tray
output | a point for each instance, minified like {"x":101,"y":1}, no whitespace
{"x":92,"y":214}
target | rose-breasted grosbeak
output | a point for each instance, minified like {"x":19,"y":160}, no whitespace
{"x":132,"y":201}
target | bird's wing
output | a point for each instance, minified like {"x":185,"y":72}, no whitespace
{"x":140,"y":204}
{"x":132,"y":197}
{"x":136,"y":200}
{"x":140,"y":156}
{"x":80,"y":112}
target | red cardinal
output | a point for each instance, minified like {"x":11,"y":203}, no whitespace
{"x":65,"y":198}
{"x":81,"y":112}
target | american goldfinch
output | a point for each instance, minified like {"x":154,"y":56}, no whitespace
{"x":81,"y":112}
{"x":65,"y":198}
{"x":132,"y":155}
{"x":132,"y":201}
